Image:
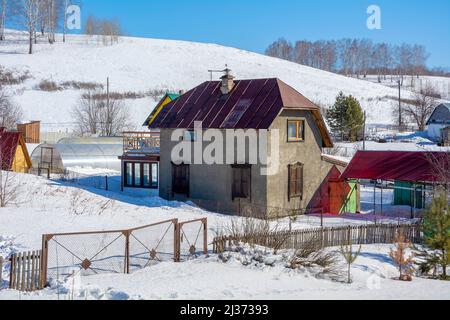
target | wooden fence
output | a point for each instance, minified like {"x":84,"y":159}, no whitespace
{"x":25,"y":271}
{"x":325,"y":237}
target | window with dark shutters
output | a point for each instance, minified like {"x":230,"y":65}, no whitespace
{"x":241,"y":181}
{"x":295,"y":183}
{"x":180,"y":179}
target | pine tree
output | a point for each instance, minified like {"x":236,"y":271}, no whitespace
{"x":346,"y":117}
{"x":404,"y":264}
{"x":436,"y":228}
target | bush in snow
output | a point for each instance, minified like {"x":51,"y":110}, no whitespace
{"x":404,"y":263}
{"x":312,"y":257}
{"x":350,"y":256}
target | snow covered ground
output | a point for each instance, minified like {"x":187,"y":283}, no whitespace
{"x":139,"y":65}
{"x":49,"y":206}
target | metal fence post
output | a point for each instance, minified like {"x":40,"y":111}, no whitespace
{"x":205,"y":236}
{"x":127,"y":252}
{"x":177,"y":244}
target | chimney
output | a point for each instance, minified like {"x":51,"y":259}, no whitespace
{"x":227,"y":82}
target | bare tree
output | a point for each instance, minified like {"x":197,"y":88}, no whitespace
{"x":97,"y":115}
{"x":440,"y":166}
{"x":3,"y":9}
{"x":10,"y":114}
{"x":28,"y":16}
{"x":422,"y":106}
{"x":280,"y":49}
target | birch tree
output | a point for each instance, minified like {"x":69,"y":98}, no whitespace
{"x":3,"y":9}
{"x":28,"y":15}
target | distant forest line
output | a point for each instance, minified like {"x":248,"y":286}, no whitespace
{"x":357,"y":57}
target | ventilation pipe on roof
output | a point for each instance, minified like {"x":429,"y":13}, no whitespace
{"x":227,"y":82}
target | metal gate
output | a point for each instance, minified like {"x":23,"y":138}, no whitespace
{"x":193,"y":239}
{"x":118,"y":251}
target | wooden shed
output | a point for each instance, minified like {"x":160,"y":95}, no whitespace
{"x":13,"y":152}
{"x":30,"y":131}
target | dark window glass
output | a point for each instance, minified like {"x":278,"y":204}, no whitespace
{"x":180,"y":179}
{"x":295,"y":183}
{"x":241,"y":181}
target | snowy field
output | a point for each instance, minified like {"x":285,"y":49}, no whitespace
{"x":52,"y":206}
{"x":139,"y":65}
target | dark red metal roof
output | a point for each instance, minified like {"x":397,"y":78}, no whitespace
{"x":8,"y":146}
{"x":252,"y":104}
{"x":394,"y":165}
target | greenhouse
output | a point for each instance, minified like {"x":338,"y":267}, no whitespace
{"x":57,"y":158}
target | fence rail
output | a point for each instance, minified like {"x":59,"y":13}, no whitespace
{"x":326,"y":237}
{"x":25,"y":271}
{"x":119,"y":251}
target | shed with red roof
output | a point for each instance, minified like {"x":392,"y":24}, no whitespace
{"x":13,"y":152}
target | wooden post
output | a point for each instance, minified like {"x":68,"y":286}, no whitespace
{"x":44,"y":262}
{"x":33,"y":271}
{"x":12,"y":274}
{"x":205,"y":236}
{"x":28,"y":280}
{"x":1,"y":272}
{"x":176,"y":242}
{"x":127,"y":252}
{"x":24,"y":270}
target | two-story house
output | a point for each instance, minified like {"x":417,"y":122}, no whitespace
{"x":285,"y":123}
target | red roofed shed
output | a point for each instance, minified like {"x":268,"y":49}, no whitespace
{"x":393,"y":165}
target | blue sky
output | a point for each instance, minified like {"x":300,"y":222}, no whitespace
{"x":254,"y":24}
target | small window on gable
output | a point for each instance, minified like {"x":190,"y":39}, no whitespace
{"x":296,"y":130}
{"x":295,"y":181}
{"x":241,"y":181}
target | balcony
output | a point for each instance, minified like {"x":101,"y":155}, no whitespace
{"x":141,"y":142}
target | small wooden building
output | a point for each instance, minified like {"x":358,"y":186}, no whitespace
{"x":30,"y":131}
{"x":13,"y":152}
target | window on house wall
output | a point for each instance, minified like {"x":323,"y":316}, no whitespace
{"x":141,"y":175}
{"x":180,"y":179}
{"x":296,"y":130}
{"x":241,"y":181}
{"x":137,"y":175}
{"x":295,"y":184}
{"x":129,"y":174}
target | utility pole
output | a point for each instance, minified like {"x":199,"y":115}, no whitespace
{"x":107,"y":93}
{"x":399,"y":105}
{"x":364,"y":132}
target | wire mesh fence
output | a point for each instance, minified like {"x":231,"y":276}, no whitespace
{"x":192,"y":239}
{"x":66,"y":255}
{"x":152,"y":244}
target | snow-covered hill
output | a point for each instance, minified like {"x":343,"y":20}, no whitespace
{"x":139,"y":65}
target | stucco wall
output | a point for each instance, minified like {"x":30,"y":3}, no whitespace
{"x":211,"y":185}
{"x":307,"y":152}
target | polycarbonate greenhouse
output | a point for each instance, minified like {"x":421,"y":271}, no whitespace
{"x":59,"y":157}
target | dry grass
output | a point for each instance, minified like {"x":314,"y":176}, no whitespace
{"x":13,"y":77}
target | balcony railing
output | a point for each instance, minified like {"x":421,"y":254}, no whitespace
{"x":140,"y":141}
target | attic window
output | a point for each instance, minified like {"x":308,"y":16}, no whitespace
{"x":296,"y":130}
